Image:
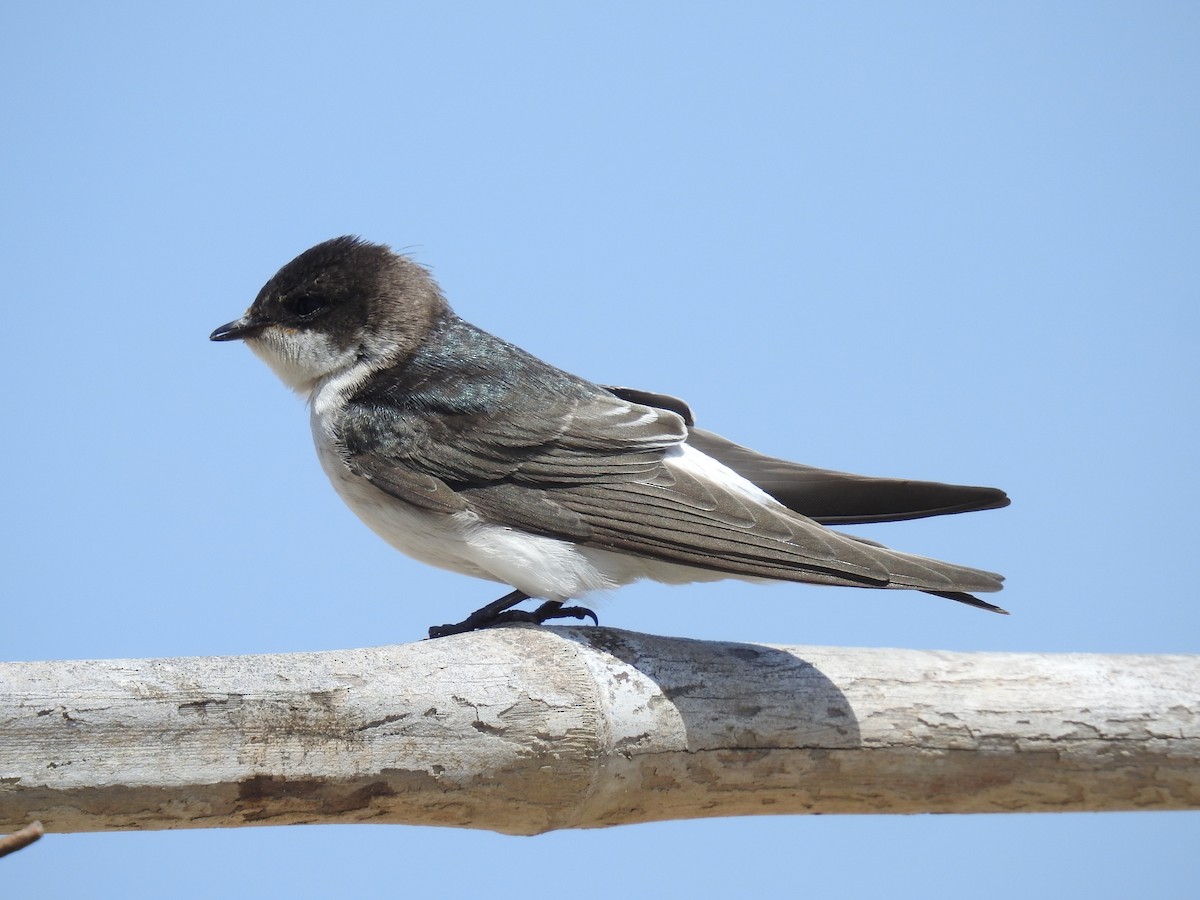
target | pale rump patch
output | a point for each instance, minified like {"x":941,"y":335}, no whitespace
{"x":702,"y":466}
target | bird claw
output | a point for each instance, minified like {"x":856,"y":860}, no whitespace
{"x":496,"y":614}
{"x":542,"y":614}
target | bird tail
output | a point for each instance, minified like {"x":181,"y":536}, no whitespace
{"x":841,"y":498}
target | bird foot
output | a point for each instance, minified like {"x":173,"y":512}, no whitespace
{"x":499,"y":612}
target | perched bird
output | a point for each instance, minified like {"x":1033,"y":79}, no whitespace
{"x":468,"y":453}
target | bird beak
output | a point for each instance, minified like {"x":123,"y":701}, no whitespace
{"x":236,"y":330}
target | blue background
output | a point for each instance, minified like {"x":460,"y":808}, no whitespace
{"x":941,"y":241}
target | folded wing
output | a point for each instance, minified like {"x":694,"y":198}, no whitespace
{"x":605,"y":470}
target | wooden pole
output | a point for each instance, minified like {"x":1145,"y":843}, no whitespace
{"x":524,"y":730}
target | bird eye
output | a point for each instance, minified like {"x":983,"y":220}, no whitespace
{"x":305,"y":306}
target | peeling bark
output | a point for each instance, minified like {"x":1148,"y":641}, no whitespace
{"x":524,"y":730}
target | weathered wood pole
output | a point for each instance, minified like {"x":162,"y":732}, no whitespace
{"x":525,"y":729}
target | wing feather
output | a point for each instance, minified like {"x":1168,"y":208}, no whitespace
{"x":598,"y":467}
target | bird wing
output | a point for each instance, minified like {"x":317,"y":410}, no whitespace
{"x":545,"y":441}
{"x":597,"y":469}
{"x":683,"y":514}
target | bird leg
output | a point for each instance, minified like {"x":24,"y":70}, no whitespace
{"x":499,"y":612}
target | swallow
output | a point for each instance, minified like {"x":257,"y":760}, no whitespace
{"x":465,"y":452}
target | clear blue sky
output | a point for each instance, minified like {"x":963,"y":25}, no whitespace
{"x":949,"y":241}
